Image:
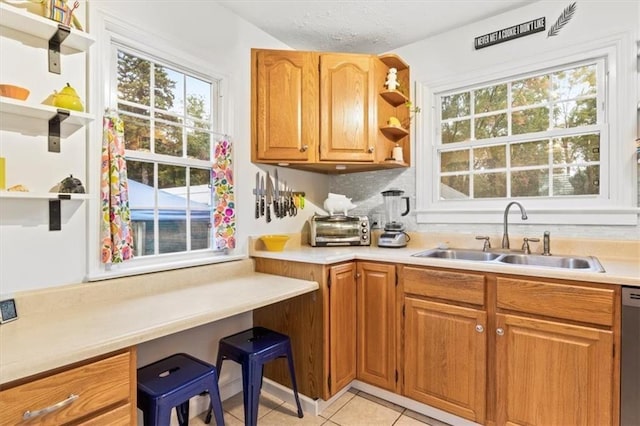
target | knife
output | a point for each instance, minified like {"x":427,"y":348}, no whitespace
{"x":257,"y":195}
{"x":262,"y":195}
{"x":269,"y":195}
{"x":276,"y":200}
{"x":285,"y":200}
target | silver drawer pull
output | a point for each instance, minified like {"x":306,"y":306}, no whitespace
{"x":32,"y":414}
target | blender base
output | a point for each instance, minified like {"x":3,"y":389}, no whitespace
{"x":393,"y":239}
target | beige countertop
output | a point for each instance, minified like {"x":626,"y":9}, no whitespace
{"x":67,"y":324}
{"x":620,"y":259}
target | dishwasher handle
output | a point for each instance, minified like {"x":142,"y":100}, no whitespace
{"x":631,"y":296}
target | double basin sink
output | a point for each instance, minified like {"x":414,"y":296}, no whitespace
{"x":586,"y":263}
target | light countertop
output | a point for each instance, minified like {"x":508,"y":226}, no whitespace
{"x":620,"y":259}
{"x":82,"y":321}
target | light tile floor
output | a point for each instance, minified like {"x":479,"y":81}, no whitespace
{"x":354,"y":408}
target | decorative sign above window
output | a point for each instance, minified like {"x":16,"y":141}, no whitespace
{"x":510,"y":33}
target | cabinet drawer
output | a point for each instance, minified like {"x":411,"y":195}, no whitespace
{"x":453,"y":286}
{"x":98,"y":385}
{"x":572,"y":302}
{"x":120,"y":416}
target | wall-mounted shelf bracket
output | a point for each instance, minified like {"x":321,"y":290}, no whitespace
{"x":54,"y":129}
{"x":55,"y":212}
{"x":54,"y":47}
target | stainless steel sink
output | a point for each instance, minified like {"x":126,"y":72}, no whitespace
{"x":477,"y":255}
{"x":566,"y":262}
{"x":581,"y":263}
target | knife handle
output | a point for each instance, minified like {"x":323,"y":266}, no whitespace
{"x":257,"y":209}
{"x":268,"y":214}
{"x":261,"y":206}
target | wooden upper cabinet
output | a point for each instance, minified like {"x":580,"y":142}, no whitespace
{"x":347,"y":130}
{"x":285,"y":105}
{"x":551,"y":373}
{"x":327,"y":112}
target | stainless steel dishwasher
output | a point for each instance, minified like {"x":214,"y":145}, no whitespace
{"x":630,"y":357}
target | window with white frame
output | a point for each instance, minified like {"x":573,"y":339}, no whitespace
{"x":538,"y":135}
{"x":171,"y":124}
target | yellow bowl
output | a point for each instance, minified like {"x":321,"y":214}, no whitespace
{"x":274,"y":242}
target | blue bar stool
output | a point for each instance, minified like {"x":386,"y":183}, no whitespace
{"x":171,"y":382}
{"x":253,"y":348}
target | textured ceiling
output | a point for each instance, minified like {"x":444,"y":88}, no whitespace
{"x":365,"y":26}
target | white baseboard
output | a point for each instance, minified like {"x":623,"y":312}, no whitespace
{"x":309,"y":405}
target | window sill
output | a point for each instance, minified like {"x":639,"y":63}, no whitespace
{"x":143,"y":266}
{"x":619,"y":216}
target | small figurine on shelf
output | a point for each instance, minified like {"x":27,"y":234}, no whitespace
{"x":392,"y":79}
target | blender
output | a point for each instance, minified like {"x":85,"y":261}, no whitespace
{"x":394,"y":235}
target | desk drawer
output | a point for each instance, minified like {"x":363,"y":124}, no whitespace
{"x":454,"y":286}
{"x":98,"y":385}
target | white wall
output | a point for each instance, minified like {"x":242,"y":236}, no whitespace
{"x":31,"y":256}
{"x":449,"y":54}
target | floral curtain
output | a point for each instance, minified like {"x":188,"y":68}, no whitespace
{"x":224,"y":215}
{"x":115,"y":225}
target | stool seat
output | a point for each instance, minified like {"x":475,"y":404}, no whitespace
{"x":253,"y":348}
{"x":171,"y":382}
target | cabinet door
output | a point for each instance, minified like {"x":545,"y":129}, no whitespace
{"x":342,"y":314}
{"x":347,"y":115}
{"x":285,"y":105}
{"x":376,"y":289}
{"x":445,"y":357}
{"x":550,"y":373}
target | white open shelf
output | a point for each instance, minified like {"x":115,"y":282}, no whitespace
{"x":30,"y":23}
{"x":41,"y":195}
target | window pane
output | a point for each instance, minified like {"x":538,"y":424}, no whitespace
{"x":172,"y":187}
{"x":142,"y":203}
{"x":198,"y":98}
{"x":577,"y":149}
{"x":530,"y":91}
{"x":198,"y":145}
{"x":492,"y":98}
{"x":493,"y":157}
{"x":530,"y":120}
{"x":571,"y":83}
{"x":491,"y":127}
{"x":168,"y":140}
{"x":172,"y":231}
{"x":169,"y":90}
{"x":575,"y":113}
{"x":490,"y":185}
{"x":201,"y":207}
{"x":454,"y":161}
{"x":454,"y":187}
{"x":141,"y":172}
{"x":456,"y":106}
{"x":133,"y":78}
{"x":530,"y":153}
{"x":576,"y":180}
{"x":530,"y":183}
{"x":169,"y":117}
{"x":133,"y":109}
{"x":456,"y":131}
{"x":143,"y":236}
{"x":136,"y":133}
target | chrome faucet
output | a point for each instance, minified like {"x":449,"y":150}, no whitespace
{"x":505,"y":235}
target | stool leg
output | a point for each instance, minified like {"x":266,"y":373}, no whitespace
{"x":182,"y":412}
{"x":215,"y":403}
{"x":252,"y":392}
{"x":292,"y":372}
{"x":219,"y":360}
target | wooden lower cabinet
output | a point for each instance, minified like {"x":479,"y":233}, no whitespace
{"x":321,"y":325}
{"x":97,"y":392}
{"x":377,"y":325}
{"x":552,"y":373}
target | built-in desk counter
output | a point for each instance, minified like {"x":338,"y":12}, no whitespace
{"x":68,"y":324}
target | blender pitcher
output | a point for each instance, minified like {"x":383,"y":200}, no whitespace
{"x":392,"y":214}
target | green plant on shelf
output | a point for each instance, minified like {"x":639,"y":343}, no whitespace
{"x":413,"y":110}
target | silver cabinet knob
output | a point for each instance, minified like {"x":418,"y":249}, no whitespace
{"x":370,"y":149}
{"x":304,"y":148}
{"x":500,"y":332}
{"x":479,"y":328}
